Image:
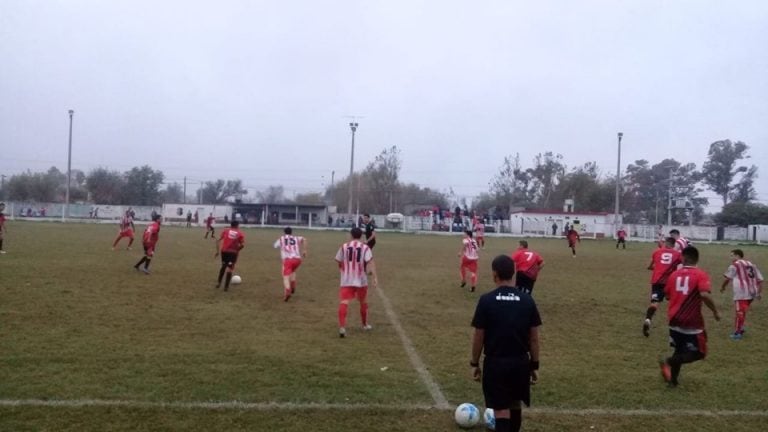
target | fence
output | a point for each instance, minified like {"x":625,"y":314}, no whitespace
{"x":637,"y":232}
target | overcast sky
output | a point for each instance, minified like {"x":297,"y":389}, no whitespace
{"x":259,"y":90}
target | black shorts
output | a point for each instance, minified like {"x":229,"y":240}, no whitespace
{"x":524,"y":282}
{"x":685,"y":343}
{"x":657,"y":293}
{"x":506,"y":379}
{"x":371,"y":243}
{"x":621,"y":240}
{"x":229,"y":258}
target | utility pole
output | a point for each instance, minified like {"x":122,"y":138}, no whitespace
{"x":184,"y":200}
{"x":618,"y":181}
{"x":353,"y":126}
{"x":2,"y":186}
{"x":65,"y":214}
{"x":669,"y":207}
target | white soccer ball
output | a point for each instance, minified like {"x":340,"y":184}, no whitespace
{"x":236,"y":279}
{"x":489,"y":418}
{"x":467,"y":415}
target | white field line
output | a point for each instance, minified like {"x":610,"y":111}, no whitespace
{"x":434,"y":389}
{"x":266,"y":406}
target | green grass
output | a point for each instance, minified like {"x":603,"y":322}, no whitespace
{"x":77,"y":322}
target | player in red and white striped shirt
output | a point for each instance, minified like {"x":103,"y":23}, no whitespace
{"x":292,"y":250}
{"x":747,"y":282}
{"x":355,"y":261}
{"x":126,"y":230}
{"x":686,"y":289}
{"x":469,"y":257}
{"x":680,"y":241}
{"x":480,"y":233}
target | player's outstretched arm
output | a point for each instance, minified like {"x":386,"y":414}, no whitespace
{"x":372,"y":271}
{"x":305,"y":247}
{"x":478,"y":339}
{"x":533,"y":335}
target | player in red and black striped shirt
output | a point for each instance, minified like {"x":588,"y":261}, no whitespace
{"x":663,"y":263}
{"x":231,"y":242}
{"x":686,"y":289}
{"x":149,"y":239}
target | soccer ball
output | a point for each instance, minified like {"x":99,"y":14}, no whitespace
{"x":236,"y":279}
{"x":489,"y":418}
{"x":466,"y":415}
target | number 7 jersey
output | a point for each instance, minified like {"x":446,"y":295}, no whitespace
{"x":353,"y":258}
{"x":683,"y":290}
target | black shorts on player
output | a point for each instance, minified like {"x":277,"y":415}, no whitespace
{"x":506,"y":379}
{"x":524,"y":282}
{"x":657,"y":293}
{"x":229,"y":258}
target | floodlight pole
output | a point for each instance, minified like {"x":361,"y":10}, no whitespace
{"x":353,"y":126}
{"x":618,"y":181}
{"x":669,"y":207}
{"x":65,"y":214}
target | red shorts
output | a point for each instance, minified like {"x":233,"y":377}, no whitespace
{"x":149,"y":249}
{"x":290,"y":265}
{"x":125,"y":233}
{"x":350,"y":292}
{"x":742,"y":305}
{"x":469,"y":264}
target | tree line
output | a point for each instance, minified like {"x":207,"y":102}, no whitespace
{"x":646,"y":188}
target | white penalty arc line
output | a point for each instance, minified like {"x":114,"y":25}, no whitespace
{"x":267,"y":406}
{"x":441,"y":402}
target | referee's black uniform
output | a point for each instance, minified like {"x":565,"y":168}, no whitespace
{"x":505,"y":320}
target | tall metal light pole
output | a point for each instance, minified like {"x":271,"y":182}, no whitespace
{"x":353,"y":126}
{"x":618,"y":181}
{"x":669,"y":206}
{"x":65,"y":215}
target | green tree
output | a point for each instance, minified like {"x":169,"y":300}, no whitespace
{"x":721,"y":169}
{"x":310,"y":198}
{"x":588,"y":191}
{"x":381,"y":181}
{"x":220,"y":191}
{"x":548,"y":170}
{"x":272,"y":195}
{"x":512,"y":185}
{"x":142,"y":186}
{"x":743,"y":214}
{"x":104,"y":186}
{"x":173,"y":193}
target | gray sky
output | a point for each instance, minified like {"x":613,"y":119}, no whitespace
{"x":258,"y":90}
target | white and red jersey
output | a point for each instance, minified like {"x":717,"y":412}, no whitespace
{"x":469,"y":249}
{"x":126,"y":223}
{"x":290,"y":246}
{"x":745,"y":278}
{"x":479,"y":229}
{"x":681,"y":243}
{"x":353,"y":258}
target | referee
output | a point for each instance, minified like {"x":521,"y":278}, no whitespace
{"x":506,"y":326}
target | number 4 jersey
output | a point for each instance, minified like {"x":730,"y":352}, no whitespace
{"x":353,"y":258}
{"x":683,"y":289}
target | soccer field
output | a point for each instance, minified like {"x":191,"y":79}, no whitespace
{"x":89,"y":344}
